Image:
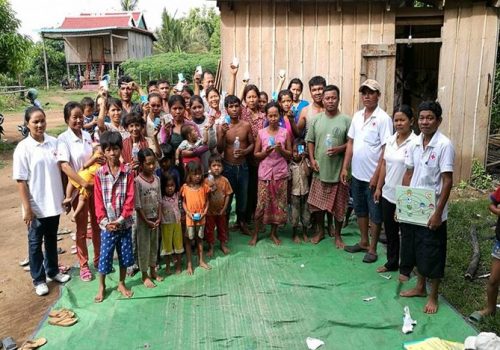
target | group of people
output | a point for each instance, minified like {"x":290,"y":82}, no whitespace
{"x":157,"y":177}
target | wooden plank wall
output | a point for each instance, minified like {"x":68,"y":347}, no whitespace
{"x":467,"y":61}
{"x":316,"y":38}
{"x":77,"y":49}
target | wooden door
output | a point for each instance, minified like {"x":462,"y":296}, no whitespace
{"x":378,"y":61}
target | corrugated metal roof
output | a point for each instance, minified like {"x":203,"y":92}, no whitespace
{"x":93,"y":22}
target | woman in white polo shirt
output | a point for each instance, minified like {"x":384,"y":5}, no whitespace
{"x":391,"y":175}
{"x":74,"y":149}
{"x":39,"y":182}
{"x":429,"y":164}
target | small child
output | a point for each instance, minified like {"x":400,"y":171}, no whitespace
{"x":218,"y":200}
{"x":87,"y":173}
{"x":171,"y":228}
{"x":195,"y":203}
{"x":166,"y":165}
{"x":114,"y":213}
{"x":300,"y":170}
{"x":187,"y":147}
{"x":90,"y":117}
{"x":494,"y":280}
{"x":147,"y":205}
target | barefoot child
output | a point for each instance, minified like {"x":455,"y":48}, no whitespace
{"x":87,"y":173}
{"x":171,"y":228}
{"x":195,"y":203}
{"x":147,"y":205}
{"x":114,"y":206}
{"x":218,"y":200}
{"x":494,"y":280}
{"x":300,"y":170}
{"x":429,"y":163}
{"x":273,"y":148}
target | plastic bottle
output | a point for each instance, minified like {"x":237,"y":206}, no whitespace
{"x":236,"y":145}
{"x":210,"y":177}
{"x":135,"y":151}
{"x":329,"y":141}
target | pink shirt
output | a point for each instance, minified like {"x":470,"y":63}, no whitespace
{"x":274,"y":166}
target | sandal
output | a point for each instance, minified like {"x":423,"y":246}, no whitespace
{"x":34,"y":344}
{"x":63,"y":321}
{"x":370,"y":258}
{"x":356,"y":248}
{"x":61,"y":313}
{"x":85,"y":275}
{"x":63,"y":231}
{"x":476,"y":316}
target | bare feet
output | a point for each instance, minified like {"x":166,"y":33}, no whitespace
{"x":205,"y":266}
{"x":253,"y":241}
{"x":189,"y":269}
{"x":127,"y":293}
{"x":224,"y":249}
{"x":414,"y":292}
{"x":305,"y":238}
{"x":148,"y":283}
{"x":178,"y":270}
{"x":100,"y":295}
{"x":382,"y":269}
{"x":339,"y":243}
{"x":275,"y":240}
{"x":317,"y":238}
{"x":432,"y":306}
{"x":157,"y":278}
{"x":296,"y":239}
{"x":403,"y":278}
{"x":210,"y":251}
{"x":244,"y":228}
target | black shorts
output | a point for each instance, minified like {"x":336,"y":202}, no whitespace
{"x":424,"y":248}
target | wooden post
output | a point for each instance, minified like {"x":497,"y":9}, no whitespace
{"x":67,"y":71}
{"x":45,"y":63}
{"x":112,"y":52}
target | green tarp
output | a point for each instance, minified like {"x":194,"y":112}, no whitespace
{"x":266,"y":297}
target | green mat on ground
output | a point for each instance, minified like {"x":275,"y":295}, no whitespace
{"x":255,"y":298}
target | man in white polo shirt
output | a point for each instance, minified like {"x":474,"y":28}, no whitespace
{"x":369,"y":130}
{"x":429,"y":162}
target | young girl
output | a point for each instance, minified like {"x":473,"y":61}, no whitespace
{"x":154,"y":115}
{"x":205,"y":125}
{"x":273,"y":149}
{"x":391,"y":174}
{"x":195,"y":203}
{"x":113,"y":108}
{"x":87,"y":173}
{"x":134,"y":124}
{"x":296,"y":87}
{"x":287,"y":119}
{"x":263,"y":101}
{"x":171,"y":230}
{"x":147,"y":205}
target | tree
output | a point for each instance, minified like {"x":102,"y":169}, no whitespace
{"x":56,"y":63}
{"x":128,"y":5}
{"x":170,"y":35}
{"x":14,"y":47}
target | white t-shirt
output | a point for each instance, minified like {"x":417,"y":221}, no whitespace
{"x":36,"y":163}
{"x":395,"y":168}
{"x":429,"y":164}
{"x":368,"y":138}
{"x":74,"y":150}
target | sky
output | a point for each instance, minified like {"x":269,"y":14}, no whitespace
{"x":54,"y":11}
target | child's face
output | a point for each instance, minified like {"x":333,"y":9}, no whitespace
{"x":155,"y":104}
{"x":164,"y":90}
{"x":149,"y":164}
{"x":273,"y":116}
{"x":135,"y":129}
{"x":113,"y":154}
{"x":196,"y":177}
{"x":197,"y":110}
{"x":295,"y":153}
{"x":153,"y":88}
{"x":115,"y":113}
{"x":170,"y":188}
{"x":286,"y":103}
{"x":251,"y":99}
{"x":216,"y":168}
{"x":234,"y":110}
{"x":193,"y":136}
{"x":87,"y":110}
{"x":165,"y":164}
{"x":262,"y":102}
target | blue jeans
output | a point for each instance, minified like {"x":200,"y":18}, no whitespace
{"x":363,"y":201}
{"x":238,"y":178}
{"x":43,"y":230}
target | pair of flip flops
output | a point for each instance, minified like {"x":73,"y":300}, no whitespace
{"x":34,"y":344}
{"x":62,"y":317}
{"x":63,"y":231}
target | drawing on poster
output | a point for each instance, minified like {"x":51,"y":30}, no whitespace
{"x":414,"y":205}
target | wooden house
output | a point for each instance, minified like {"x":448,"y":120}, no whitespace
{"x":97,"y":43}
{"x":443,"y":50}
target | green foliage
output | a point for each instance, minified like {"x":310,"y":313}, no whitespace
{"x":480,"y":179}
{"x":56,"y":63}
{"x":10,"y":102}
{"x":198,"y":32}
{"x":14,"y":47}
{"x":495,"y":106}
{"x":167,"y":65}
{"x":128,"y":5}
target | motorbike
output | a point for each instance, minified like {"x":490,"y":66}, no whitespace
{"x":31,"y":95}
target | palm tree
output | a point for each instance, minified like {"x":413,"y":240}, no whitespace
{"x":128,"y":5}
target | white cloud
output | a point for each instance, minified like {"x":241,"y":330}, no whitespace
{"x":35,"y":15}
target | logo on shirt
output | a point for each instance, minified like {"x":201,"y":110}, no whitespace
{"x":431,"y":161}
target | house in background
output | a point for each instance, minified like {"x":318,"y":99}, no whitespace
{"x":97,"y":43}
{"x":443,"y":50}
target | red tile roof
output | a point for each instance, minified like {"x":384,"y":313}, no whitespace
{"x":89,"y":21}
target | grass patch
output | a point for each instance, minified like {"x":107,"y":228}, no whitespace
{"x":57,"y":130}
{"x":464,"y":295}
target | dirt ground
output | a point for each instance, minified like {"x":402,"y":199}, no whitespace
{"x":21,"y":310}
